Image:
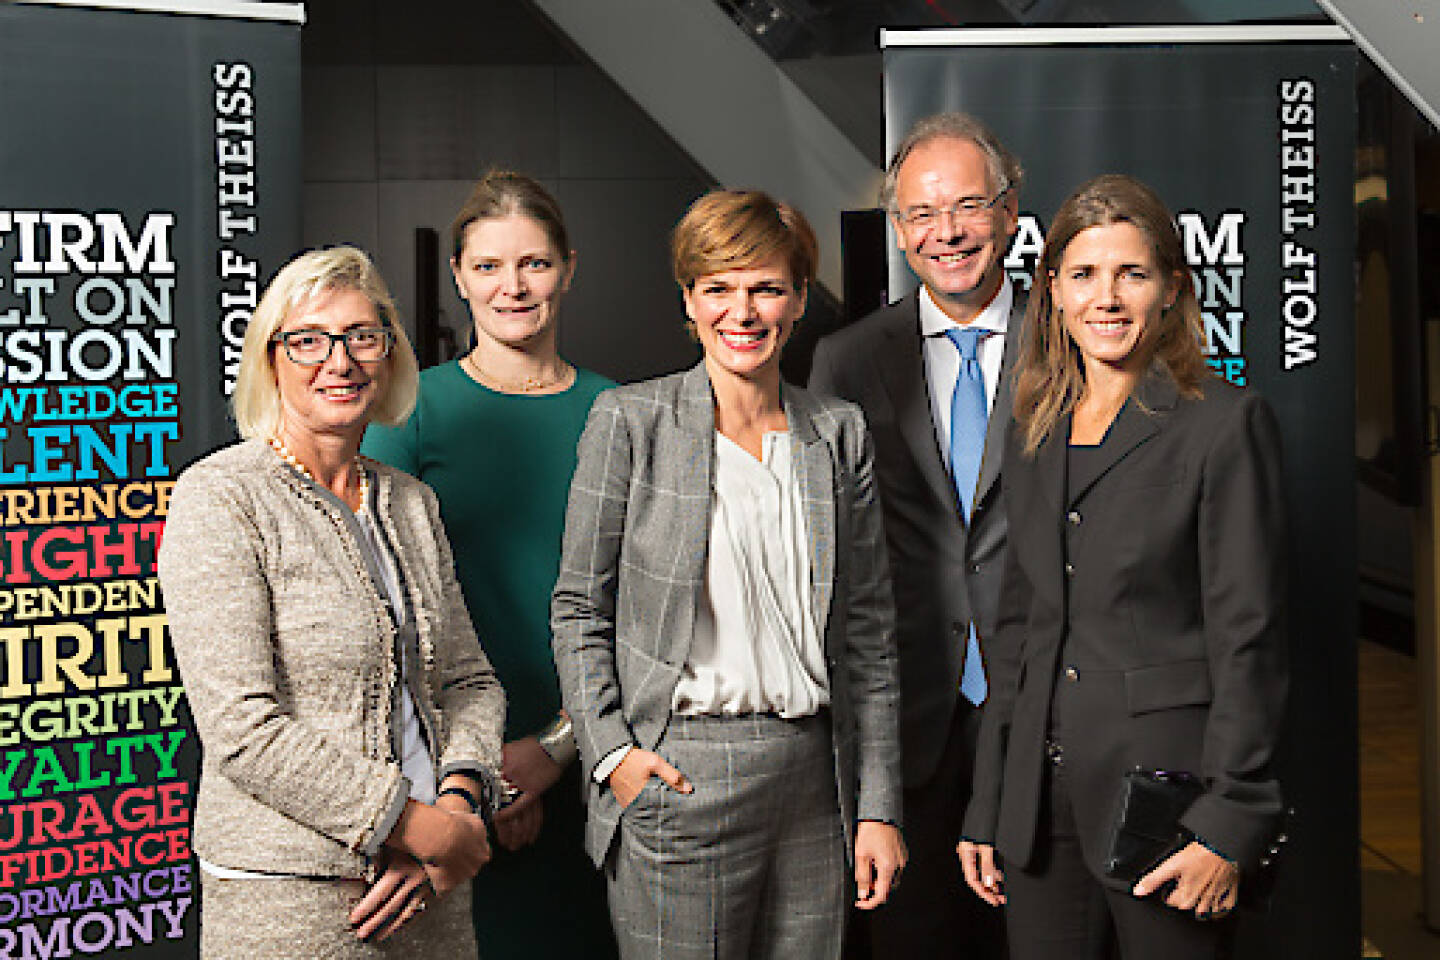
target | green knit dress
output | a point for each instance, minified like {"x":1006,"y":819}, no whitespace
{"x":501,"y":466}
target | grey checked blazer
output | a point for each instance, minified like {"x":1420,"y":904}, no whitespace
{"x":633,"y":568}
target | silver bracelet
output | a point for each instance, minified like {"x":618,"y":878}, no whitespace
{"x":558,"y":741}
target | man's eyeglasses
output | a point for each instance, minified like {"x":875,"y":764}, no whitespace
{"x":969,"y":209}
{"x":310,"y":348}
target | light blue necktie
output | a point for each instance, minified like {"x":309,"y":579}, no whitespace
{"x":968,"y":420}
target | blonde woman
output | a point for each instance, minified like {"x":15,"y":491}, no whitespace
{"x":350,"y":721}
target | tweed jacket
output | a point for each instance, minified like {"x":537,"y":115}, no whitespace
{"x":633,"y":569}
{"x":288,"y":658}
{"x":1143,"y":616}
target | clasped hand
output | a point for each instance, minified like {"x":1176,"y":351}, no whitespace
{"x":432,"y":850}
{"x":447,"y":839}
{"x":525,"y":764}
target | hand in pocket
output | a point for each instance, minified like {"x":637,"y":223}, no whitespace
{"x":629,"y":778}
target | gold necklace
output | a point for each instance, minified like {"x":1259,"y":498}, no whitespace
{"x":528,"y":385}
{"x":293,"y":461}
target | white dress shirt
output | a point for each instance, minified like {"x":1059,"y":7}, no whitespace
{"x":756,"y":647}
{"x":942,"y":360}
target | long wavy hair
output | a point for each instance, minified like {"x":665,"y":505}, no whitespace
{"x":1050,"y":377}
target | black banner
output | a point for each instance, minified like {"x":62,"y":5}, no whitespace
{"x":1252,"y":145}
{"x":149,"y":182}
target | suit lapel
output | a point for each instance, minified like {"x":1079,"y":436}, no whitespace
{"x":1136,"y":423}
{"x":815,"y":472}
{"x":902,"y":369}
{"x":1050,"y":463}
{"x":1000,"y":411}
{"x":695,"y":419}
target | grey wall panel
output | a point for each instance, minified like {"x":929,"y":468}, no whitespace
{"x":403,"y":205}
{"x":340,"y":213}
{"x":450,"y":123}
{"x":339,"y":111}
{"x":623,"y":317}
{"x":606,"y":135}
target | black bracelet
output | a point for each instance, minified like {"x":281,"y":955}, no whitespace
{"x":470,"y":798}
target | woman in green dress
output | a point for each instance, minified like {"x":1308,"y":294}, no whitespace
{"x":494,"y":435}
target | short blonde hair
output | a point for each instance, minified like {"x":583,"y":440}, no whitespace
{"x":739,"y":230}
{"x":256,"y":401}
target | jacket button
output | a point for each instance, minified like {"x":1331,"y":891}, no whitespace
{"x":974,"y":568}
{"x":1072,"y":674}
{"x":1069,"y":569}
{"x":1074,"y":517}
{"x":957,"y":628}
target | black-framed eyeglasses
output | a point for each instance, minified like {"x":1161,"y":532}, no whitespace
{"x":310,"y":348}
{"x":966,"y":208}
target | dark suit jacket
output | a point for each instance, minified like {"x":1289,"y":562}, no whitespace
{"x":944,"y":574}
{"x":632,"y":570}
{"x":1146,"y":612}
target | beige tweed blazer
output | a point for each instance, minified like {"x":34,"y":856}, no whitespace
{"x":288,"y":657}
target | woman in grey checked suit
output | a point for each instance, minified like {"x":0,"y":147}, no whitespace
{"x":723,"y":625}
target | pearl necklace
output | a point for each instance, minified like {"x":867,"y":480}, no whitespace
{"x":293,"y":461}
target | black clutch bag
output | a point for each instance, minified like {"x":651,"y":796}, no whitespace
{"x":1147,"y":827}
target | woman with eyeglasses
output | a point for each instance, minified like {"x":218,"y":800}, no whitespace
{"x":494,"y":434}
{"x":349,"y":718}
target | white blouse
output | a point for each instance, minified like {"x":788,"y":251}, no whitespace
{"x":756,"y":646}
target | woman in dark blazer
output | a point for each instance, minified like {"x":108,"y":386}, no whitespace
{"x":1141,"y":620}
{"x":723,"y":625}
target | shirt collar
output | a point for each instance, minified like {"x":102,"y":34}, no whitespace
{"x":995,"y":317}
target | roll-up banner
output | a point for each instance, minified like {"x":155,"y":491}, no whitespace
{"x":149,"y":183}
{"x":1249,"y":136}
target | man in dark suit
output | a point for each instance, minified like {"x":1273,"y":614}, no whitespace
{"x":931,"y":373}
